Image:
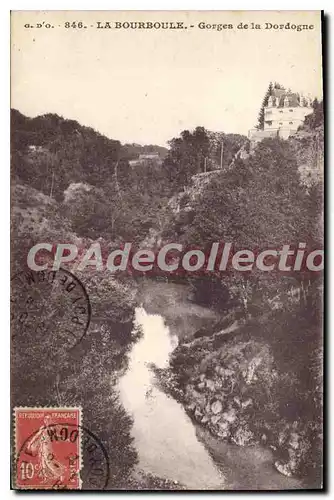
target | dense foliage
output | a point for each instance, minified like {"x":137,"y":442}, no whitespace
{"x":315,"y":119}
{"x":199,"y":151}
{"x":109,"y":199}
{"x":46,"y":371}
{"x":260,"y":204}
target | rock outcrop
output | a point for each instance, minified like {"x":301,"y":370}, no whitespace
{"x":234,"y":391}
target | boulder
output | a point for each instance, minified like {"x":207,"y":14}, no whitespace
{"x":210,"y":385}
{"x":189,"y":389}
{"x":198,"y":414}
{"x":218,"y":385}
{"x":215,"y":419}
{"x":294,"y":440}
{"x":191,"y":407}
{"x":224,"y":426}
{"x":247,"y":403}
{"x":216,"y":407}
{"x":223,"y":429}
{"x":225,"y":372}
{"x":230,"y":416}
{"x":243,"y":436}
{"x":264,"y":438}
{"x":283,"y":468}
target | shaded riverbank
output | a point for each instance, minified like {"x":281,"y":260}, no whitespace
{"x":182,"y":316}
{"x":246,"y":467}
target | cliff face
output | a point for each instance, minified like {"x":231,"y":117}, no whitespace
{"x":309,"y":146}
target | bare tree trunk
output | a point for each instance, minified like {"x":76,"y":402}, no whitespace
{"x":118,"y":189}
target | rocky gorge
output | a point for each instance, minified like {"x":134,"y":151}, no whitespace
{"x":233,"y":386}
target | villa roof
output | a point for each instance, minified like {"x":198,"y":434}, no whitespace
{"x":282,"y":94}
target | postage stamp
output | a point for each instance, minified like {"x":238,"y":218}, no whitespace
{"x":48,"y":448}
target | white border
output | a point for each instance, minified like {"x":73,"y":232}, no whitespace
{"x":166,"y":5}
{"x":327,"y":5}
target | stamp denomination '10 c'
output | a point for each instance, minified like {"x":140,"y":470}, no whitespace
{"x":48,"y":448}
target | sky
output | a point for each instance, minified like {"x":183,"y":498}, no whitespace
{"x":146,"y":86}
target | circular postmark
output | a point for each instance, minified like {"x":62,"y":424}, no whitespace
{"x":62,"y":456}
{"x":52,"y":307}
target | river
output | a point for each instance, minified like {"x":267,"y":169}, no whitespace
{"x":167,"y":442}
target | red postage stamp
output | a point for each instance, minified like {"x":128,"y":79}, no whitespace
{"x":48,"y":448}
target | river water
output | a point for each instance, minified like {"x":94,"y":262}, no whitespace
{"x":165,"y":437}
{"x":167,"y":442}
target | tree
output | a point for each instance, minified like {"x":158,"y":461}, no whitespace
{"x":231,"y":144}
{"x":260,"y":124}
{"x":190,"y":153}
{"x":315,"y":119}
{"x":187,"y":155}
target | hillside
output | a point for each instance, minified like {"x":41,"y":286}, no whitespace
{"x":255,"y":377}
{"x":74,"y":153}
{"x":109,"y":199}
{"x":53,"y":156}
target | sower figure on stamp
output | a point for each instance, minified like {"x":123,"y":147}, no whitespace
{"x":40,"y":445}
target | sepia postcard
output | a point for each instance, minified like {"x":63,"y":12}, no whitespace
{"x":167,"y":172}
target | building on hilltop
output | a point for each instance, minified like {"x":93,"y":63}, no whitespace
{"x":149,"y":156}
{"x":285,"y":112}
{"x":146,"y":158}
